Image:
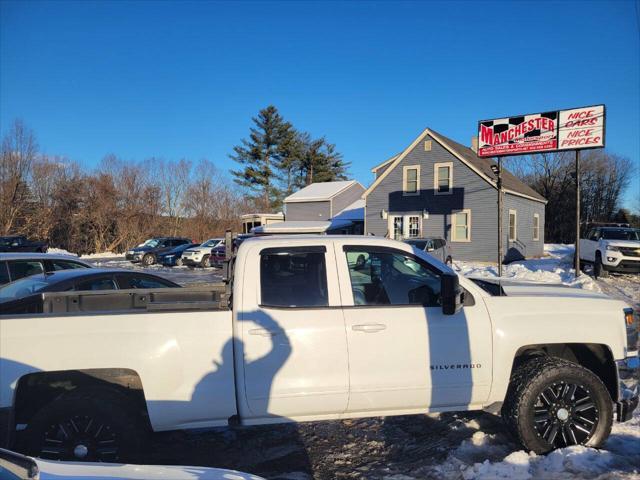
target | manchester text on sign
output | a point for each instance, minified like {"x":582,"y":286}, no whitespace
{"x":573,"y":129}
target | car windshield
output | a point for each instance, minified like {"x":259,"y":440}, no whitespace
{"x":210,"y":243}
{"x":22,"y":288}
{"x":622,"y":234}
{"x":419,"y":244}
{"x":152,"y":242}
{"x":7,"y":241}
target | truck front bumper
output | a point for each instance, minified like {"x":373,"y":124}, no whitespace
{"x":629,"y":394}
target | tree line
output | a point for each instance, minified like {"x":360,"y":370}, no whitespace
{"x":120,"y":203}
{"x":604,"y":178}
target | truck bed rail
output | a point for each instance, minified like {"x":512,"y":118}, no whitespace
{"x":165,"y":299}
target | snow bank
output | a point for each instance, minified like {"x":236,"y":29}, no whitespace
{"x":60,"y":251}
{"x":102,"y":255}
{"x":554,"y":267}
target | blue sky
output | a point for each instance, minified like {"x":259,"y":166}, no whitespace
{"x":182,"y":79}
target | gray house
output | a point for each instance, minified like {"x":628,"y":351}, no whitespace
{"x":327,"y":201}
{"x":438,"y":187}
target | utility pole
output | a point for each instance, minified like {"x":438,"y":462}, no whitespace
{"x":497,"y":170}
{"x":577,"y":248}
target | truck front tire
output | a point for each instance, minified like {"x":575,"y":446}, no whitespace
{"x":553,"y":403}
{"x":598,"y":268}
{"x":86,"y":425}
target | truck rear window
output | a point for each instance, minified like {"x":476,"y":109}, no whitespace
{"x":293,"y":277}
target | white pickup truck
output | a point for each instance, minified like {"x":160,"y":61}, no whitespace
{"x":611,"y":249}
{"x":316,"y":328}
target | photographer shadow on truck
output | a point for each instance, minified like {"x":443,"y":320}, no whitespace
{"x":282,"y":440}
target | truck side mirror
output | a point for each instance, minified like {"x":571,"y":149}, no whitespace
{"x":450,"y":294}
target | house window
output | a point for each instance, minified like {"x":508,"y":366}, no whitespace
{"x":411,"y":180}
{"x":406,"y":226}
{"x":414,"y":227}
{"x":461,"y":228}
{"x":397,"y":228}
{"x":536,"y":227}
{"x":443,"y":178}
{"x":513,"y":225}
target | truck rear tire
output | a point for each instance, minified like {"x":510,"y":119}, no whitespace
{"x":86,"y":425}
{"x":553,"y":403}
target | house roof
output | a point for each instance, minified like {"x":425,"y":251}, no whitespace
{"x":318,"y":192}
{"x":385,"y":163}
{"x":482,"y":166}
{"x":293,"y":227}
{"x":353,"y":212}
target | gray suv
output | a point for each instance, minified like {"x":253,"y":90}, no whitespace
{"x":434,"y":246}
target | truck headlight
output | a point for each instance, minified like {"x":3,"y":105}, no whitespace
{"x":611,"y":248}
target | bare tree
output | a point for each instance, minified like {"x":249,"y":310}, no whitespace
{"x":18,"y":151}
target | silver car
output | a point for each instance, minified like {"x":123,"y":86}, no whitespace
{"x":434,"y":246}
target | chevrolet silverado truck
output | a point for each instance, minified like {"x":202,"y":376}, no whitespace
{"x":312,"y":328}
{"x":611,"y":249}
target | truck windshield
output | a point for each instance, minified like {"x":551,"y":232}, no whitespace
{"x":22,"y":288}
{"x":621,"y":234}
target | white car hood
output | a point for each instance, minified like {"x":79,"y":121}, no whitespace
{"x":101,"y":471}
{"x":547,"y":290}
{"x":532,"y":289}
{"x":623,"y":243}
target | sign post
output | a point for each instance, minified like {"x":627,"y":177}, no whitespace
{"x":577,"y":248}
{"x":555,"y":131}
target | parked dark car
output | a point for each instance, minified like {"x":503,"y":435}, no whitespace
{"x":147,"y":252}
{"x":14,"y":266}
{"x":434,"y":246}
{"x":24,"y":295}
{"x":218,"y":256}
{"x":173,"y":258}
{"x":19,"y":243}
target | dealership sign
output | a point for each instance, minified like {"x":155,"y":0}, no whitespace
{"x":573,"y":129}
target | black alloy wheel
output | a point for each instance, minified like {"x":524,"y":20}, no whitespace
{"x":566,"y":414}
{"x":86,"y":425}
{"x":82,"y":438}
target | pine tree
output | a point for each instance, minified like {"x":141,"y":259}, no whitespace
{"x":260,"y":156}
{"x":319,"y":162}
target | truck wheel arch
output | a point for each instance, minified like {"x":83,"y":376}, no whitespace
{"x":35,"y":390}
{"x":593,"y":356}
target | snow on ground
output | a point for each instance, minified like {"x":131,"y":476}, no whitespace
{"x":60,"y":251}
{"x":554,"y":267}
{"x":488,"y":457}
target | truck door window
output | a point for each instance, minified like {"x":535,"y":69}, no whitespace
{"x":391,"y":277}
{"x":293,"y":277}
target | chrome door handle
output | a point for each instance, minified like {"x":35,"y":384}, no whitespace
{"x":369,"y":327}
{"x":263,"y":332}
